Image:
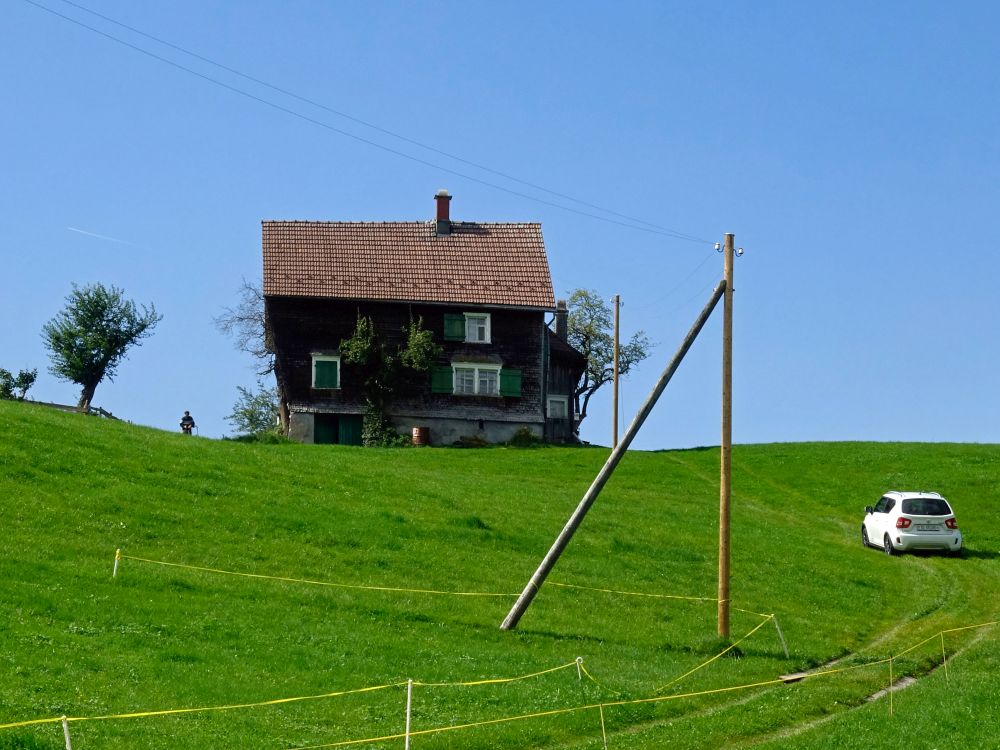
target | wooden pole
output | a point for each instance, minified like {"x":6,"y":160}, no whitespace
{"x":550,"y":559}
{"x":614,"y":410}
{"x":726,"y":457}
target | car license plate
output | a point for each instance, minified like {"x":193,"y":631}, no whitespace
{"x":926,"y":527}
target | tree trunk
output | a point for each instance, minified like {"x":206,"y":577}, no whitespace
{"x":586,"y":402}
{"x":283,"y":414}
{"x":279,"y":381}
{"x":86,"y":396}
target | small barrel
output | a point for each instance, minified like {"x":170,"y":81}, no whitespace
{"x":421,"y":436}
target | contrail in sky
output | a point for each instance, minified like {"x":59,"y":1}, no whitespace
{"x":101,"y":236}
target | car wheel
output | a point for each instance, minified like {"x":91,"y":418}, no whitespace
{"x":887,"y":546}
{"x":864,"y":537}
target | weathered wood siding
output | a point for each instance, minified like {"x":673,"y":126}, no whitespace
{"x":303,"y":326}
{"x":563,"y":373}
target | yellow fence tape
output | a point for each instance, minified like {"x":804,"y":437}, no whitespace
{"x":492,"y":681}
{"x":521,"y":717}
{"x":632,"y":593}
{"x":287,"y":579}
{"x":719,"y":655}
{"x":202,"y":709}
{"x":496,"y":681}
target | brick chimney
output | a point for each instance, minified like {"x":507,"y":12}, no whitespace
{"x":562,"y":320}
{"x":443,"y":215}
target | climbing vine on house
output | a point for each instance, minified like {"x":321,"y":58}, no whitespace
{"x":383,"y":365}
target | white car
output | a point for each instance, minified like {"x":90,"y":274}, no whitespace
{"x":903,"y":521}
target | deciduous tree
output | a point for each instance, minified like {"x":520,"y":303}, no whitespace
{"x":590,"y":333}
{"x":247,"y":324}
{"x":16,"y":387}
{"x":255,"y":412}
{"x":89,"y":338}
{"x":381,"y":366}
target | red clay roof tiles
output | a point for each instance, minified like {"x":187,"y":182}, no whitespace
{"x":478,"y":263}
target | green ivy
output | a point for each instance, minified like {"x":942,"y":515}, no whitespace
{"x":382,"y":368}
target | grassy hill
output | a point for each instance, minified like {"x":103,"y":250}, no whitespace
{"x":75,"y":642}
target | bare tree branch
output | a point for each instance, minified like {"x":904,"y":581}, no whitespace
{"x":247,"y":324}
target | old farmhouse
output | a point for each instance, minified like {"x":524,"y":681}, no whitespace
{"x":483,"y":289}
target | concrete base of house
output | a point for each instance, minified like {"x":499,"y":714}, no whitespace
{"x":449,"y":431}
{"x":440,"y":431}
{"x":301,"y":427}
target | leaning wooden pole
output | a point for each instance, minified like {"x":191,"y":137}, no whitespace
{"x":726,"y":448}
{"x":550,"y":559}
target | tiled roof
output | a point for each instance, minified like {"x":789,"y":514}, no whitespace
{"x":478,"y":263}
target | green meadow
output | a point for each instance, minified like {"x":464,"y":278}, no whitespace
{"x":385,"y":527}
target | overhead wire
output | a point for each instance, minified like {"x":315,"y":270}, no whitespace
{"x":678,"y":286}
{"x":631,"y":224}
{"x":286,"y":92}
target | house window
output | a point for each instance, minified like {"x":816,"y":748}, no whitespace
{"x":473,"y":328}
{"x":465,"y":380}
{"x":325,"y":371}
{"x":488,"y":382}
{"x":472,"y":379}
{"x":558,"y":407}
{"x":477,"y":328}
{"x":477,"y":380}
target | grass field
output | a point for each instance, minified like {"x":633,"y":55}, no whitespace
{"x":75,"y":642}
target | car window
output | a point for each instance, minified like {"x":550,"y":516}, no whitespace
{"x":926,"y":506}
{"x":882,"y":506}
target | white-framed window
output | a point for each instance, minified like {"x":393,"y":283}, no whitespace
{"x":558,"y":407}
{"x":477,"y":328}
{"x":325,"y":371}
{"x":476,"y":380}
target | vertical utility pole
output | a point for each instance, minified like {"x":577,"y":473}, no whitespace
{"x":726,"y":452}
{"x":614,"y":410}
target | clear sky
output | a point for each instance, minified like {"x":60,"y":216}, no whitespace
{"x":852,"y":148}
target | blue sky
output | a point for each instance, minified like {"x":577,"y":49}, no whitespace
{"x":851,"y":147}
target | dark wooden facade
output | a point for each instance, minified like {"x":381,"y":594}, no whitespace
{"x":519,"y":346}
{"x":565,"y":365}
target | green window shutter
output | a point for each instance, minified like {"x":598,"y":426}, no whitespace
{"x":441,"y":379}
{"x":510,"y":382}
{"x":454,"y":327}
{"x":326,"y":375}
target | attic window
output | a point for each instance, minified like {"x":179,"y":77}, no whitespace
{"x":472,"y":328}
{"x":477,"y":328}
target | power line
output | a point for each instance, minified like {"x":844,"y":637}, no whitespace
{"x":677,"y":287}
{"x":635,"y":223}
{"x":674,"y":233}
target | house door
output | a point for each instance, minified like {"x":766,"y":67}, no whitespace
{"x":337,"y":429}
{"x":349,"y":430}
{"x":325,"y":429}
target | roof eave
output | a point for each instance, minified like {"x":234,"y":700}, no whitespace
{"x":393,"y":301}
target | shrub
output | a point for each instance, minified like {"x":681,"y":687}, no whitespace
{"x":16,"y":388}
{"x":524,"y":438}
